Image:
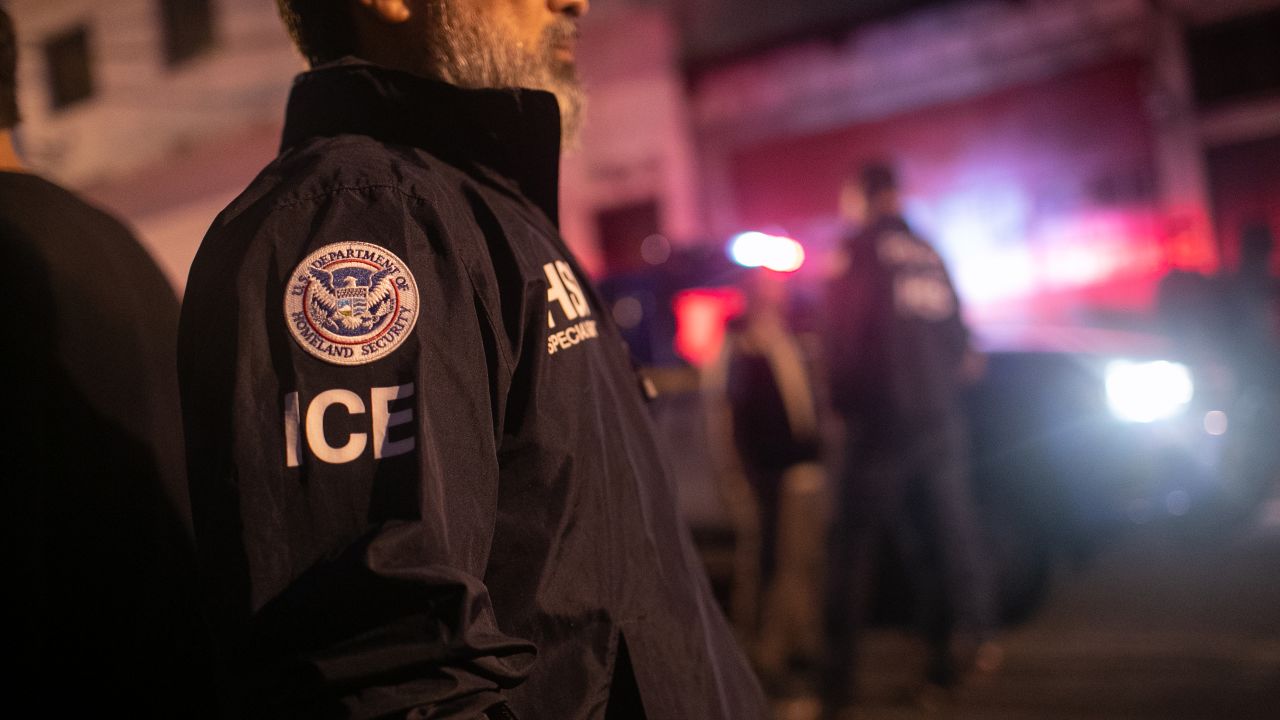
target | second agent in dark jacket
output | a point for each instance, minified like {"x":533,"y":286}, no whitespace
{"x":898,"y":352}
{"x":765,"y":422}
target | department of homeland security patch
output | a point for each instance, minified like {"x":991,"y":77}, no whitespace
{"x":351,"y":303}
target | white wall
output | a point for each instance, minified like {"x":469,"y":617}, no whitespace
{"x":163,"y":148}
{"x":143,"y":111}
{"x":636,"y":143}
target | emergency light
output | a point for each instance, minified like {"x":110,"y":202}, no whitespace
{"x":773,"y":252}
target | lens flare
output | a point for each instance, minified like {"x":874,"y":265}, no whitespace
{"x":1215,"y":422}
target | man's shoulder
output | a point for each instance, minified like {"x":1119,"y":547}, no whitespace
{"x":335,"y":190}
{"x":39,"y":202}
{"x":312,"y":174}
{"x":896,"y":243}
{"x":346,"y":163}
{"x":61,"y":251}
{"x":59,"y":225}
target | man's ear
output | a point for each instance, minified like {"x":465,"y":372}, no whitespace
{"x":388,"y":11}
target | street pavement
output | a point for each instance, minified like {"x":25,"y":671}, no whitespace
{"x":1175,"y":622}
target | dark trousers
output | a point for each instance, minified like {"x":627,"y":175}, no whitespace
{"x":915,"y":491}
{"x":766,"y":483}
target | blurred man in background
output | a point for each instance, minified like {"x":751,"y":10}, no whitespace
{"x":1232,"y":320}
{"x":1249,"y":327}
{"x":96,"y":520}
{"x":898,"y":353}
{"x":764,"y":413}
{"x":423,"y":475}
{"x":1252,"y":310}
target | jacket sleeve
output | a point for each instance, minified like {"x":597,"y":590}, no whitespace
{"x":345,"y":510}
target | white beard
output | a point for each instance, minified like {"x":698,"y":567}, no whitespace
{"x":470,"y":50}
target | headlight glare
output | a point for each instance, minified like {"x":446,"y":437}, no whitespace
{"x":1145,"y":392}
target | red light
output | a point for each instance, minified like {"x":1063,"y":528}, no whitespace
{"x":701,"y":315}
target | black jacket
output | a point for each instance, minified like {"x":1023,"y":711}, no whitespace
{"x":100,"y":577}
{"x":896,"y":340}
{"x":767,"y":437}
{"x":479,"y":513}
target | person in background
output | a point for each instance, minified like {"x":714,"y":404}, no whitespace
{"x":764,"y":413}
{"x":99,"y":570}
{"x":424,"y":478}
{"x":1249,"y":328}
{"x":1252,"y":310}
{"x":1228,"y":324}
{"x":898,"y":353}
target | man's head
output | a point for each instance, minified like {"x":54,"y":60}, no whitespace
{"x":8,"y":73}
{"x":870,"y":193}
{"x":470,"y":43}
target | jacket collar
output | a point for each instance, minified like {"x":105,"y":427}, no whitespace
{"x":512,"y":133}
{"x":872,"y":231}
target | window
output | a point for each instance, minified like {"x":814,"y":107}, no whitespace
{"x":1236,"y":60}
{"x":188,"y":29}
{"x":70,"y":71}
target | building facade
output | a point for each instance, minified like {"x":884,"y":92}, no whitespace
{"x":1062,"y":152}
{"x":161,"y":110}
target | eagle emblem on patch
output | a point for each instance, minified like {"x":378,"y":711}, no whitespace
{"x":351,"y":303}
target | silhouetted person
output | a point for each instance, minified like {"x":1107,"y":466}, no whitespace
{"x":1189,"y":310}
{"x":1252,"y":313}
{"x":898,"y":353}
{"x":1250,"y":331}
{"x":95,"y":510}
